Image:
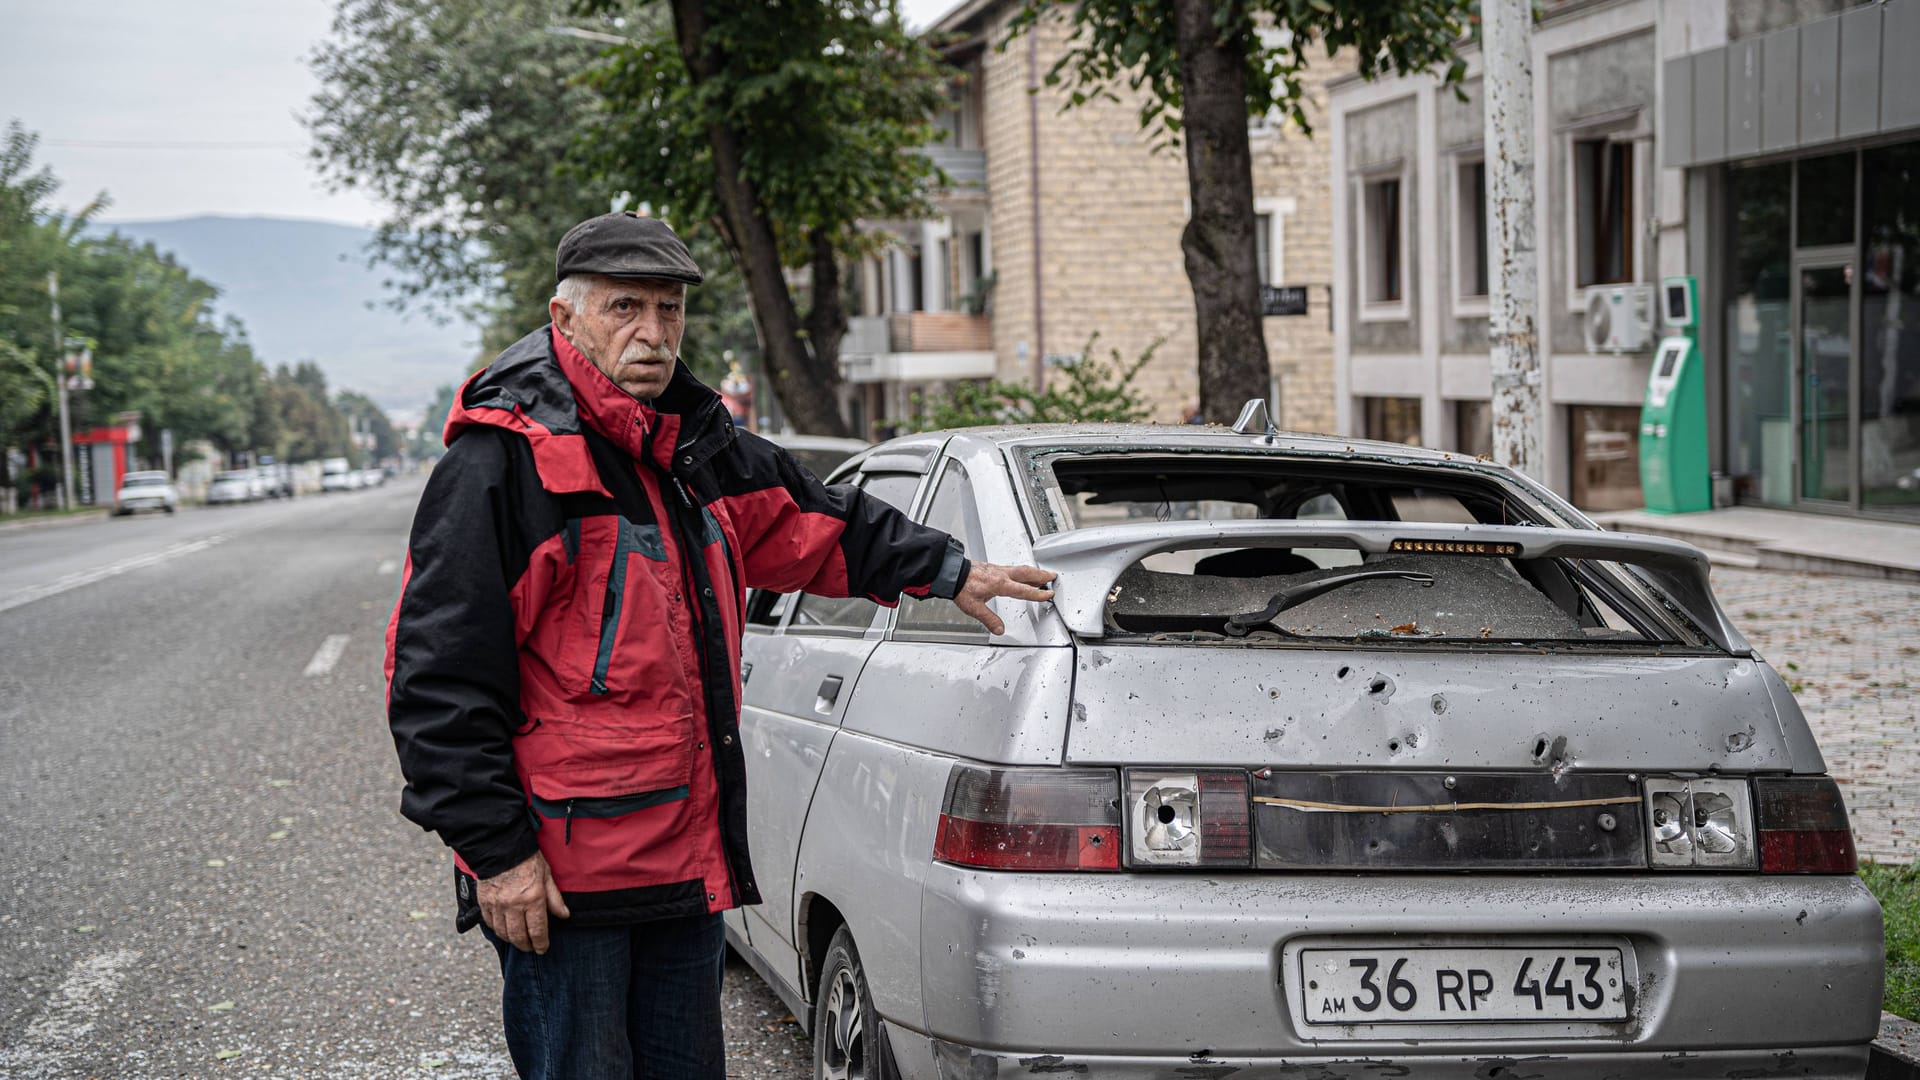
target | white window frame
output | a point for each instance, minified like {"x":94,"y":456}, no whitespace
{"x":1278,"y":209}
{"x":1630,"y":129}
{"x":1466,"y":305}
{"x":1381,"y":310}
{"x":1268,"y":124}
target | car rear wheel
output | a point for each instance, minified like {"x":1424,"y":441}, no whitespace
{"x":848,"y":1042}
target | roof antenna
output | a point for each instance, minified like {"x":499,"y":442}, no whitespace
{"x":1255,"y":421}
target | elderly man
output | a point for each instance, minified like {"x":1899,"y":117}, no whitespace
{"x":563,"y":663}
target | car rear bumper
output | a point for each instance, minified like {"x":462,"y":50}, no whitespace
{"x":950,"y":1061}
{"x":1149,"y":971}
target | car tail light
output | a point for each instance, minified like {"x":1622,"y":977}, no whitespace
{"x":1030,"y":819}
{"x":1803,"y":827}
{"x":1705,"y":823}
{"x":1190,"y":818}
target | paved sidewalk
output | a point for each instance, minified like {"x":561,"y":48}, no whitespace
{"x":1850,"y":647}
{"x":1752,"y":536}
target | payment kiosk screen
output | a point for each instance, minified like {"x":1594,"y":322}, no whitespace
{"x":1669,"y":359}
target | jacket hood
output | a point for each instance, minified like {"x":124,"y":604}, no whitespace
{"x":543,"y":389}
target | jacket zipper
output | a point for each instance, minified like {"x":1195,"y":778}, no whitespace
{"x":683,"y":531}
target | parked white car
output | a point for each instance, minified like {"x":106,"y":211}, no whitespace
{"x":233,"y":486}
{"x":145,"y":491}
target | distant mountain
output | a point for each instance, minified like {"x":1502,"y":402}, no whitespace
{"x":304,"y":291}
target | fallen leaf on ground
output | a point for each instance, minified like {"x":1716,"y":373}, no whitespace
{"x":280,"y":834}
{"x":418,"y":915}
{"x":279,"y":783}
{"x":286,"y":821}
{"x":220,"y":1006}
{"x":223,"y":1055}
{"x":85,"y":929}
{"x":216,"y":863}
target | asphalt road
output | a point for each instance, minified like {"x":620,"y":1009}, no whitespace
{"x":203,"y":871}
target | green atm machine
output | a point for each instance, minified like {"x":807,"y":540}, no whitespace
{"x":1673,"y":421}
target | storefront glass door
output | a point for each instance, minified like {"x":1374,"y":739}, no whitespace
{"x":1822,"y":332}
{"x":1825,"y":334}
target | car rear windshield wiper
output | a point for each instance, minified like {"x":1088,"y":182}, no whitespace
{"x":1295,"y":595}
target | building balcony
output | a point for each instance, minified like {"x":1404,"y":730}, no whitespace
{"x":965,"y":169}
{"x":917,"y":346}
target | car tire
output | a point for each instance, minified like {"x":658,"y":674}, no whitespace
{"x":848,"y":1040}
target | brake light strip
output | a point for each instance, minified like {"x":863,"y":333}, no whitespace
{"x":1346,"y":808}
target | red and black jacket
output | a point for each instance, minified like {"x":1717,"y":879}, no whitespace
{"x":563,"y":663}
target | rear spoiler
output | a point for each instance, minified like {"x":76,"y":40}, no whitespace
{"x":1090,"y":561}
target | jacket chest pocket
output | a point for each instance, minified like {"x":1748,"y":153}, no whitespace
{"x":618,"y":618}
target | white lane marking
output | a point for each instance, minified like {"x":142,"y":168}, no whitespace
{"x":387,"y":567}
{"x":328,"y":655}
{"x":101,"y":573}
{"x":53,"y":1038}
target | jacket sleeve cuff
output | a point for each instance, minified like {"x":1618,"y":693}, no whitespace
{"x":953,"y":572}
{"x":498,"y":853}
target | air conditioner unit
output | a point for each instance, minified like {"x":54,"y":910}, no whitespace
{"x":1619,"y":318}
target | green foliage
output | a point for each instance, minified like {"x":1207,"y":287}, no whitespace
{"x":1093,"y":391}
{"x":159,"y":350}
{"x":363,"y":416}
{"x":462,"y":115}
{"x":1898,"y":889}
{"x":1133,"y":42}
{"x":457,"y":115}
{"x":829,"y":101}
{"x":300,"y":421}
{"x":426,"y":440}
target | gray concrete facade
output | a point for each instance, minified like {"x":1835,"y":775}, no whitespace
{"x":1640,"y":107}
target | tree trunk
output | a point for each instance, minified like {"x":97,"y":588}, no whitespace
{"x":1223,"y":264}
{"x":827,"y":316}
{"x":805,"y":386}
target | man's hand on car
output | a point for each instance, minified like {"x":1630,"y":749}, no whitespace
{"x":515,"y":904}
{"x":986,"y":581}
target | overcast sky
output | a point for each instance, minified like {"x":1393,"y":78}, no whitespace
{"x":184,"y":107}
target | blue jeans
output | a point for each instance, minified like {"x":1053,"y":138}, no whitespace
{"x":634,"y":1002}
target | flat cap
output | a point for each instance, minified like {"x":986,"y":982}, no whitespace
{"x":625,"y":245}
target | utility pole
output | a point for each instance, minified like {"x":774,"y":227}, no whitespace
{"x":60,"y":382}
{"x":1506,"y":33}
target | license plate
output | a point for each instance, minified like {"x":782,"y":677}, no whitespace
{"x":1454,"y":985}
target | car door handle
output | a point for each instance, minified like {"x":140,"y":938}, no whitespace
{"x":829,"y":694}
{"x":746,"y":671}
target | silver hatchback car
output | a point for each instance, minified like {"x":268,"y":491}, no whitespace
{"x":1329,"y":758}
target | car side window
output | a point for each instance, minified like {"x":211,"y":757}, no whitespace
{"x":951,"y":511}
{"x":854,"y":612}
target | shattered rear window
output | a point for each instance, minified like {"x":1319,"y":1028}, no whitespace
{"x":1326,"y":591}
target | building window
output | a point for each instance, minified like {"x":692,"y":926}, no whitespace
{"x":1391,"y":419}
{"x":1270,"y":236}
{"x":1606,"y":456}
{"x":1603,"y":211}
{"x":1473,"y":428}
{"x":1382,"y":241}
{"x":1263,"y":246}
{"x":1470,"y":230}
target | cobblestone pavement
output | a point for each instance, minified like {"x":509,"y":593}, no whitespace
{"x":1850,"y":648}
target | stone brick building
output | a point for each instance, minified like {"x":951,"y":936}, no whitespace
{"x":1073,"y":222}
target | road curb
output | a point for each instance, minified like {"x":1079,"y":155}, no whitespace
{"x":1896,"y":1053}
{"x":53,"y":522}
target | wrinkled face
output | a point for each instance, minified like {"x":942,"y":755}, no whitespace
{"x":631,"y":330}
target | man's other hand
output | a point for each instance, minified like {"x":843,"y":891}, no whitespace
{"x":986,"y":581}
{"x":515,"y":903}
